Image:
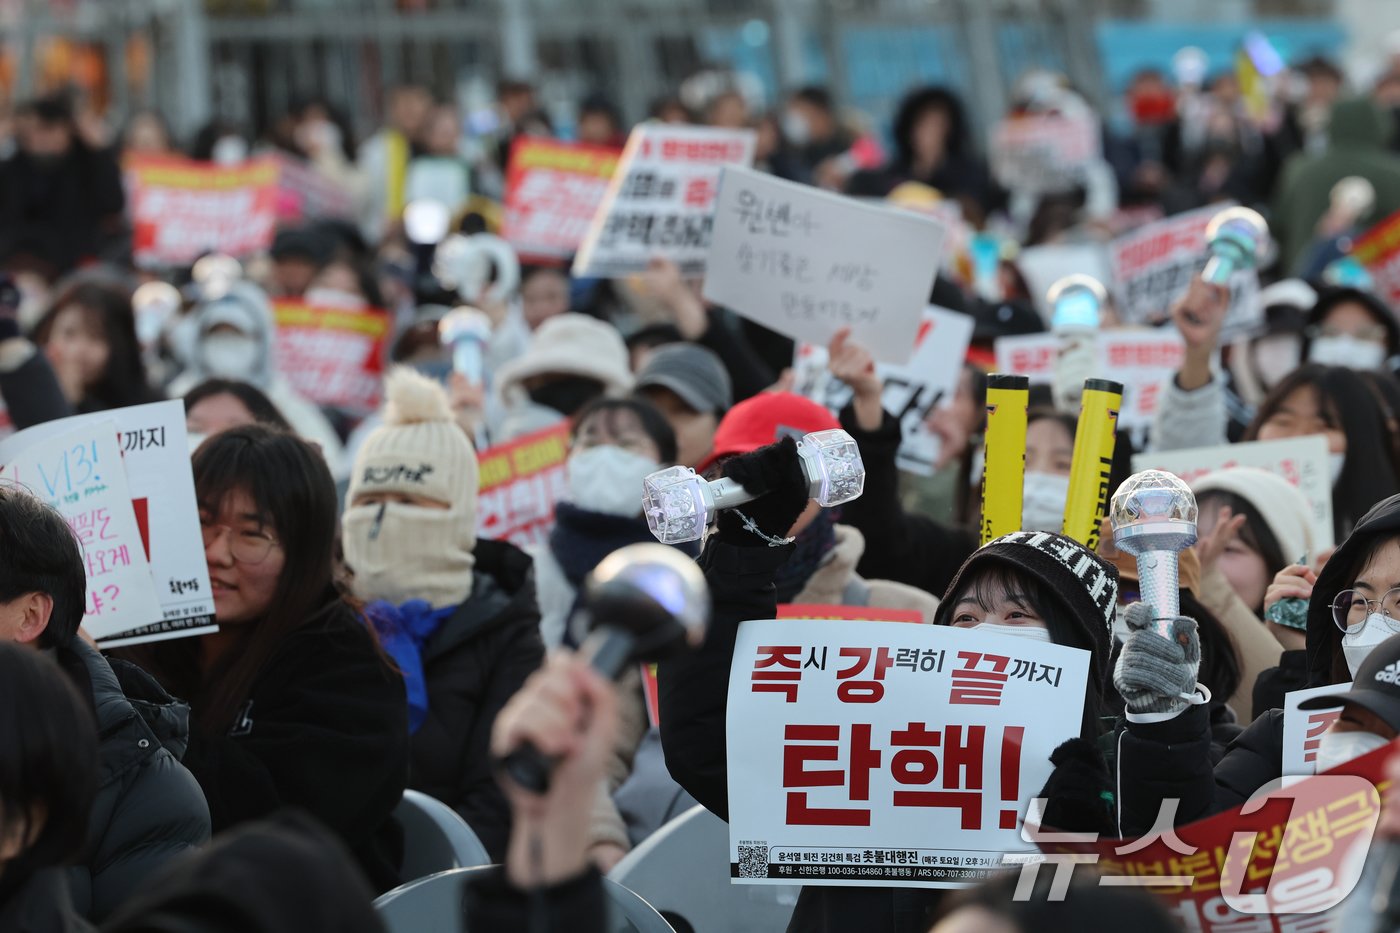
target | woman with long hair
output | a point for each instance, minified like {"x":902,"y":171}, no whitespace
{"x":293,"y":702}
{"x":89,"y":337}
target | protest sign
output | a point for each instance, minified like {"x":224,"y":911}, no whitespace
{"x":1142,"y":360}
{"x":661,"y":200}
{"x":1302,"y":729}
{"x":928,"y":381}
{"x":80,"y":473}
{"x":1043,"y":266}
{"x":1044,"y":152}
{"x":806,"y":263}
{"x":1153,"y":265}
{"x":520,"y":483}
{"x":1269,"y":866}
{"x":930,"y":803}
{"x":553,"y":191}
{"x":304,"y":193}
{"x":181,"y":209}
{"x":1378,"y":249}
{"x":156,"y":455}
{"x":332,"y":356}
{"x":1303,"y":461}
{"x":847,"y":613}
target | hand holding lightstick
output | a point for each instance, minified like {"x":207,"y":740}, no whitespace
{"x":1154,"y":519}
{"x":467,"y":331}
{"x":1237,"y":238}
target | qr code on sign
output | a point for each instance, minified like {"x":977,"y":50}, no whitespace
{"x":753,"y":861}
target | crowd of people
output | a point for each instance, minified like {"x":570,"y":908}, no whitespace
{"x":372,"y":639}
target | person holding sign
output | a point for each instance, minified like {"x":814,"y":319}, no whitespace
{"x":1037,"y":586}
{"x":294,"y":702}
{"x":148,"y":809}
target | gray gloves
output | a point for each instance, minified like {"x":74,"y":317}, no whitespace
{"x":1156,"y":674}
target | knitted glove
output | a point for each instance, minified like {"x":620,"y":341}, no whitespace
{"x":1156,"y":674}
{"x":775,"y":474}
{"x":1079,"y":794}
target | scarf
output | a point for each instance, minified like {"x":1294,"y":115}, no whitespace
{"x":808,"y":553}
{"x":403,"y":630}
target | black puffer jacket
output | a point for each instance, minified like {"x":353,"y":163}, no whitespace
{"x":325,"y":729}
{"x":42,"y":904}
{"x":473,"y":665}
{"x":149,"y":809}
{"x":1158,"y":761}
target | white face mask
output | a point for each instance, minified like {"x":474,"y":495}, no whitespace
{"x":1344,"y":350}
{"x":1032,"y":632}
{"x":1356,"y":645}
{"x":1340,"y":747}
{"x":231,"y":356}
{"x":608,"y":479}
{"x":1335,"y":462}
{"x":229,"y":150}
{"x":1043,"y":502}
{"x":1275,"y":357}
{"x":333,"y":298}
{"x":795,"y":128}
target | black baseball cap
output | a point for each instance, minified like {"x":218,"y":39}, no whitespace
{"x":1376,"y":688}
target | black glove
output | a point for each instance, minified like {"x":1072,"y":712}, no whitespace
{"x":1079,"y":794}
{"x":774,"y":473}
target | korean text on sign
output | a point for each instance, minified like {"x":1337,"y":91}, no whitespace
{"x":1303,"y":728}
{"x":883,"y":753}
{"x":661,"y":200}
{"x":520,"y":483}
{"x":553,"y":189}
{"x":1049,"y":152}
{"x":807,"y":263}
{"x":181,"y":209}
{"x":332,"y":356}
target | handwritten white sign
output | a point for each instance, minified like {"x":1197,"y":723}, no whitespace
{"x":807,"y":263}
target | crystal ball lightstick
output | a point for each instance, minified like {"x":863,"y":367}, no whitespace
{"x":679,"y":503}
{"x":1237,"y":238}
{"x":1154,"y":519}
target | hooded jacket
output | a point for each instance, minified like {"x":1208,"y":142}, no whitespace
{"x":1164,"y":760}
{"x":42,"y":904}
{"x":1330,"y":298}
{"x":1358,"y":136}
{"x":149,"y":809}
{"x":473,"y":664}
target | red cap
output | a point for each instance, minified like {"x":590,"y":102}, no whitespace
{"x":766,"y":419}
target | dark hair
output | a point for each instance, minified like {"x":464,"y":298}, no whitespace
{"x":42,"y":555}
{"x":529,"y":271}
{"x":1220,"y":667}
{"x":1329,"y":298}
{"x":49,"y":768}
{"x":1086,"y":905}
{"x":817,"y":96}
{"x":123,"y":381}
{"x":1371,"y":471}
{"x":1255,"y":533}
{"x":648,"y":415}
{"x":253,"y":399}
{"x":51,"y":108}
{"x":996,"y":580}
{"x":915,"y":106}
{"x":1065,"y":420}
{"x":290,"y":484}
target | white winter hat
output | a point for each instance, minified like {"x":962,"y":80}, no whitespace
{"x":1284,"y":509}
{"x":574,"y":345}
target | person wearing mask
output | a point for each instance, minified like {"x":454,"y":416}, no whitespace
{"x":1259,"y":362}
{"x":691,"y":388}
{"x":61,"y":199}
{"x":1030,"y":585}
{"x":89,"y":338}
{"x":599,"y":123}
{"x":294,"y":703}
{"x":383,"y":158}
{"x":148,"y":809}
{"x":571,"y":360}
{"x":1370,"y":707}
{"x":813,"y":130}
{"x":219,"y":404}
{"x":48,"y":779}
{"x":232,"y":336}
{"x":457,"y":614}
{"x":298,"y":255}
{"x":1164,"y":752}
{"x":1353,"y":328}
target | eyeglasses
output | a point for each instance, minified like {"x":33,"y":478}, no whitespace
{"x":1351,"y":609}
{"x":247,"y":547}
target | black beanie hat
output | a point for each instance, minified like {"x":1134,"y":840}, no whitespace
{"x":1086,"y":584}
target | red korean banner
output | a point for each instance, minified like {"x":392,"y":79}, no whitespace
{"x":868,"y":753}
{"x":1378,"y":249}
{"x":553,"y":189}
{"x":303,"y":192}
{"x":520,"y":482}
{"x":848,"y":613}
{"x":181,"y":209}
{"x":333,"y":356}
{"x":1272,"y":865}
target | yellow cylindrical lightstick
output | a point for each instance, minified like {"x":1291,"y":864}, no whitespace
{"x":1094,"y":441}
{"x":1004,"y":476}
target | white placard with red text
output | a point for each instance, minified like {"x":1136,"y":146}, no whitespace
{"x":661,"y":200}
{"x":1302,"y":461}
{"x":1153,"y":265}
{"x":156,"y":453}
{"x":1142,"y":360}
{"x":1303,"y":728}
{"x":1044,"y":152}
{"x":928,"y":381}
{"x":80,"y":473}
{"x":882,"y":753}
{"x":806,"y":263}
